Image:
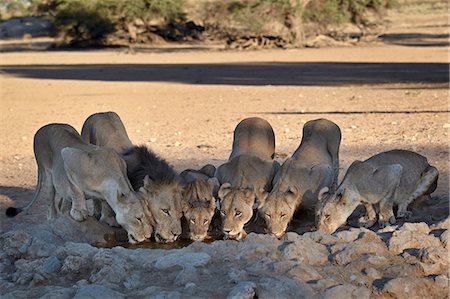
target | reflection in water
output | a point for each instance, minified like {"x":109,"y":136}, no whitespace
{"x":120,"y":239}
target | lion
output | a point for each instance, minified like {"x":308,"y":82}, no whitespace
{"x":246,"y":178}
{"x":161,"y":188}
{"x":198,"y":203}
{"x":314,"y":164}
{"x":390,"y":178}
{"x":70,"y":169}
{"x":106,"y":129}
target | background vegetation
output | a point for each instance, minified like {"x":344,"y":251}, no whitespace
{"x":290,"y":21}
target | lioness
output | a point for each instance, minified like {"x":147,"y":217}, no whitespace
{"x":161,"y":188}
{"x":106,"y":129}
{"x":313,"y":165}
{"x":390,"y":178}
{"x":246,"y":178}
{"x":71,"y":169}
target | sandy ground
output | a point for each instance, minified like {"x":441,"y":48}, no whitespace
{"x":184,"y":102}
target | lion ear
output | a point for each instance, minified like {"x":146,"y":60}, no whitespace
{"x":224,"y":190}
{"x":260,"y":198}
{"x":323,"y":193}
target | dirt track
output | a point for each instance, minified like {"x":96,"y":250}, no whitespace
{"x":185,"y":103}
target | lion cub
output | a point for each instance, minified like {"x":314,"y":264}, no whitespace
{"x":198,"y":201}
{"x":390,"y":178}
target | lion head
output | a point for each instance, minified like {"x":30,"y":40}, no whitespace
{"x":334,"y":209}
{"x":132,"y":217}
{"x":198,"y":207}
{"x":236,"y":208}
{"x":164,"y":205}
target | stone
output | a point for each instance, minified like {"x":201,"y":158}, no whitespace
{"x":180,"y":259}
{"x":322,"y":283}
{"x":414,"y":287}
{"x":244,"y":290}
{"x":372,"y":273}
{"x":441,"y":281}
{"x":282,"y":287}
{"x":444,"y":237}
{"x":346,"y":291}
{"x":305,"y":251}
{"x":58,"y":293}
{"x":75,"y":264}
{"x":83,"y":250}
{"x":96,"y":291}
{"x":412,"y":235}
{"x":321,"y":237}
{"x":236,"y":275}
{"x":155,"y":292}
{"x":444,"y":224}
{"x":15,"y":243}
{"x":433,"y":260}
{"x":304,"y":273}
{"x":51,"y":264}
{"x":344,"y":253}
{"x":187,"y":275}
{"x":282,"y":267}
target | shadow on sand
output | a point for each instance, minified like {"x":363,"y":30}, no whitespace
{"x":252,"y":74}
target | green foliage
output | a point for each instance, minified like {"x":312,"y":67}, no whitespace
{"x":94,"y":20}
{"x":83,"y":20}
{"x":169,"y":10}
{"x":250,"y":16}
{"x":332,"y":12}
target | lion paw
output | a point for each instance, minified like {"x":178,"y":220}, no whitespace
{"x":111,"y":221}
{"x":406,"y":215}
{"x":78,"y":215}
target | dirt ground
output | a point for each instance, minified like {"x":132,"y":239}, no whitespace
{"x":185,"y":101}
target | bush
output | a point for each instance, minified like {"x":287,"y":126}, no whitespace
{"x":326,"y":13}
{"x":255,"y":17}
{"x":91,"y":21}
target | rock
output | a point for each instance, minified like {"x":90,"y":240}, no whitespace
{"x":304,"y":273}
{"x":187,"y":275}
{"x":372,"y":273}
{"x":51,"y":264}
{"x":321,"y":237}
{"x":376,"y":260}
{"x":322,"y":283}
{"x":155,"y":292}
{"x":75,"y":264}
{"x":58,"y":293}
{"x":95,"y":291}
{"x":414,"y":287}
{"x":237,"y":275}
{"x":441,"y":281}
{"x":434,"y":260}
{"x":444,"y":224}
{"x":369,"y":243}
{"x":282,"y":267}
{"x":347,"y":236}
{"x":83,"y":250}
{"x":346,"y":291}
{"x":412,"y":235}
{"x":444,"y":237}
{"x":304,"y":250}
{"x":282,"y":287}
{"x":15,"y":243}
{"x":244,"y":290}
{"x":180,"y":259}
